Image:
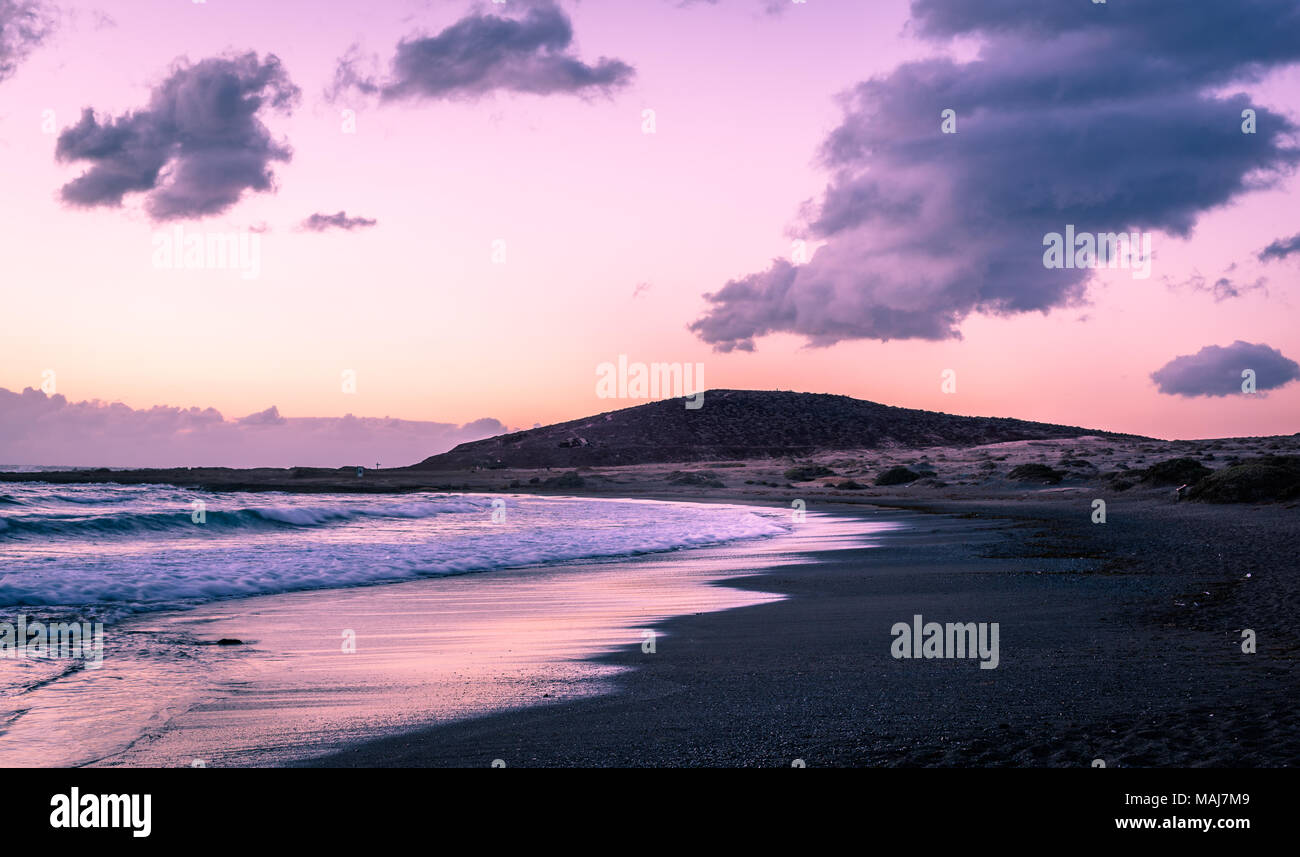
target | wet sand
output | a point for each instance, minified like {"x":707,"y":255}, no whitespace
{"x":431,"y":651}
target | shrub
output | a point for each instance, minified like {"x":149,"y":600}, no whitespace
{"x":1035,"y":473}
{"x":1176,"y":471}
{"x":897,"y":476}
{"x":806,"y":472}
{"x":1255,"y":480}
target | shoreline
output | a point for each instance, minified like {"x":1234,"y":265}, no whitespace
{"x":1120,"y":642}
{"x":1095,"y":665}
{"x":433,"y":649}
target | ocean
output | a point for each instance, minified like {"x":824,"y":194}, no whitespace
{"x":104,"y":552}
{"x":325,"y":654}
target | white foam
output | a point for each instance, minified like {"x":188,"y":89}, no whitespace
{"x":328,"y":541}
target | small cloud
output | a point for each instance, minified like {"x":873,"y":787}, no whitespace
{"x":1224,"y":288}
{"x":640,"y":287}
{"x":770,"y":7}
{"x":481,"y":53}
{"x":1217,"y":370}
{"x":1281,"y":248}
{"x":320,"y":222}
{"x":269,"y":417}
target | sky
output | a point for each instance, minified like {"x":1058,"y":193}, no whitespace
{"x":453,"y":214}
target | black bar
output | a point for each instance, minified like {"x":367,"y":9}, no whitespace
{"x":242,"y":807}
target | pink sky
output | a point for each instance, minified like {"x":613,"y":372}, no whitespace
{"x":589,"y":207}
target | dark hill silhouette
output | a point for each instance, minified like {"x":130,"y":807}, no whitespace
{"x":738,"y":424}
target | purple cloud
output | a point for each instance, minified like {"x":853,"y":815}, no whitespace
{"x":1224,"y":288}
{"x":195,"y":150}
{"x":1218,"y":370}
{"x":1281,"y":248}
{"x":24,"y":24}
{"x":320,"y":222}
{"x":924,"y":228}
{"x":483,"y":53}
{"x":40,"y":429}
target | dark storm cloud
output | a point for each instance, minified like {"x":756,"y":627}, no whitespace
{"x":1281,"y":248}
{"x":1217,"y":371}
{"x":1098,"y":116}
{"x":197,"y":147}
{"x":24,"y":24}
{"x":482,"y":53}
{"x":1209,"y":40}
{"x":320,"y":222}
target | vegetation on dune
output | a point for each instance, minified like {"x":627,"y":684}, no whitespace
{"x":1035,"y":473}
{"x":564,"y":481}
{"x":1255,"y":480}
{"x":897,"y":476}
{"x":705,"y":478}
{"x":805,"y":472}
{"x":1176,"y":471}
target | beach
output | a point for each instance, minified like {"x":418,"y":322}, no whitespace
{"x":1122,"y":639}
{"x":377,"y":617}
{"x":1097,"y":662}
{"x":1131,"y":656}
{"x":440,"y":650}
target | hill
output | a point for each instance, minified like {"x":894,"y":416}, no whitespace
{"x":738,"y":424}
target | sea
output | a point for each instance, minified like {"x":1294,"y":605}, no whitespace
{"x":102,"y":552}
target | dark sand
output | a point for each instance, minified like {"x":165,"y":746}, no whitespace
{"x":1110,"y":649}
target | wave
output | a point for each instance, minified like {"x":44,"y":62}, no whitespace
{"x":112,"y":586}
{"x":251,"y":519}
{"x":116,"y":560}
{"x":98,"y":498}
